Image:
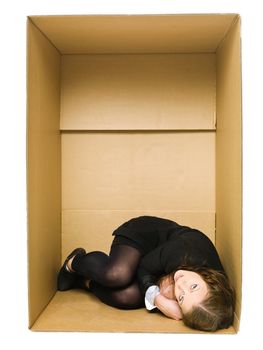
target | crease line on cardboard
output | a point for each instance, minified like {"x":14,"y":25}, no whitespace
{"x":227,"y":32}
{"x":72,"y":131}
{"x":44,"y":35}
{"x":143,"y":210}
{"x":33,"y":322}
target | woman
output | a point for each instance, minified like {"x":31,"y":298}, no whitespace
{"x":159,"y":263}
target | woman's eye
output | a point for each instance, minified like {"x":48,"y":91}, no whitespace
{"x":181,"y":299}
{"x":194,"y":286}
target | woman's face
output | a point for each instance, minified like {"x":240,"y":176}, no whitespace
{"x":189,"y":289}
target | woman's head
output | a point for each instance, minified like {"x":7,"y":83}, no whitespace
{"x":206,"y":298}
{"x":189,"y":289}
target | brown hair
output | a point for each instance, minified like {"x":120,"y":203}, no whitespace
{"x":217,"y":310}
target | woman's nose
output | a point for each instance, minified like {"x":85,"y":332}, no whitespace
{"x":181,"y":286}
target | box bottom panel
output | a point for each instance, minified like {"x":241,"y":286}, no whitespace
{"x":79,"y":311}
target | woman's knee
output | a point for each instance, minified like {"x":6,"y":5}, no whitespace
{"x":118,"y":276}
{"x":129,"y":298}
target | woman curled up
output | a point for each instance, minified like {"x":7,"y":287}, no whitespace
{"x":158,"y":264}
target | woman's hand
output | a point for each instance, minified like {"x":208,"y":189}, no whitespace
{"x":169,"y":307}
{"x":167,"y":287}
{"x":168,"y":291}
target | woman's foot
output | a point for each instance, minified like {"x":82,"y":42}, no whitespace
{"x":69,"y":263}
{"x":67,"y":279}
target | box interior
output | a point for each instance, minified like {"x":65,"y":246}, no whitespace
{"x":127,"y":116}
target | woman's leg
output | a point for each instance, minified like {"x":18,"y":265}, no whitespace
{"x":118,"y":269}
{"x":125,"y":298}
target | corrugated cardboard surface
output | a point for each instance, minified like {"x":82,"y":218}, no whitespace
{"x":44,"y":169}
{"x":138,"y":92}
{"x":93,"y":229}
{"x":135,"y":34}
{"x":128,"y":167}
{"x":79,"y":311}
{"x":108,"y":177}
{"x":229,"y":159}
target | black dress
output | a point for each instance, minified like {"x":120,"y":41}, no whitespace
{"x":165,"y":246}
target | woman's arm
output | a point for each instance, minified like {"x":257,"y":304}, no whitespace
{"x":150,"y":269}
{"x":169,"y":307}
{"x":156,"y":263}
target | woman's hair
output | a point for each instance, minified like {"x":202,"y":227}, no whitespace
{"x":217,"y":310}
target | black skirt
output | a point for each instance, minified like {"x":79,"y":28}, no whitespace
{"x":145,"y":233}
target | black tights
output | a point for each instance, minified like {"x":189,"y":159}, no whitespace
{"x":113,"y":276}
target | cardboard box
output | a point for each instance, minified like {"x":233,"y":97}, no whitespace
{"x":127,"y":116}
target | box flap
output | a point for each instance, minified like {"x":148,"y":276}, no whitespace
{"x":138,"y":92}
{"x":140,"y":171}
{"x":136,"y":33}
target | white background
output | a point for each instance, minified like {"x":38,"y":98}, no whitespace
{"x":13,"y":268}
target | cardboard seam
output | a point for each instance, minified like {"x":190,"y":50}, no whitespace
{"x":45,"y":36}
{"x":32,"y":323}
{"x":158,"y":210}
{"x":183,"y":14}
{"x":72,"y":131}
{"x":229,"y":29}
{"x":215,"y":97}
{"x":236,"y":323}
{"x":204,"y":52}
{"x":61,"y":151}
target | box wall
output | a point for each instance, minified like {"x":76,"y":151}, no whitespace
{"x":82,"y":145}
{"x":44,"y":169}
{"x":138,"y":92}
{"x":137,"y":137}
{"x":229,"y":159}
{"x":110,"y":177}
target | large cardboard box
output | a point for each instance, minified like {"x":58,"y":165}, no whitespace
{"x":127,"y":116}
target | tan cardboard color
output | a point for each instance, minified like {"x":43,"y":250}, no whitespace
{"x":44,"y":169}
{"x":229,"y":158}
{"x":101,"y":223}
{"x":135,"y":34}
{"x":99,"y":166}
{"x":71,"y":312}
{"x":105,"y":88}
{"x":114,"y":189}
{"x":129,"y":116}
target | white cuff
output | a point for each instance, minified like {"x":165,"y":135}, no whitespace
{"x":150,"y":295}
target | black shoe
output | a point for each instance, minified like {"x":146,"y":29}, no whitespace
{"x":67,"y":280}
